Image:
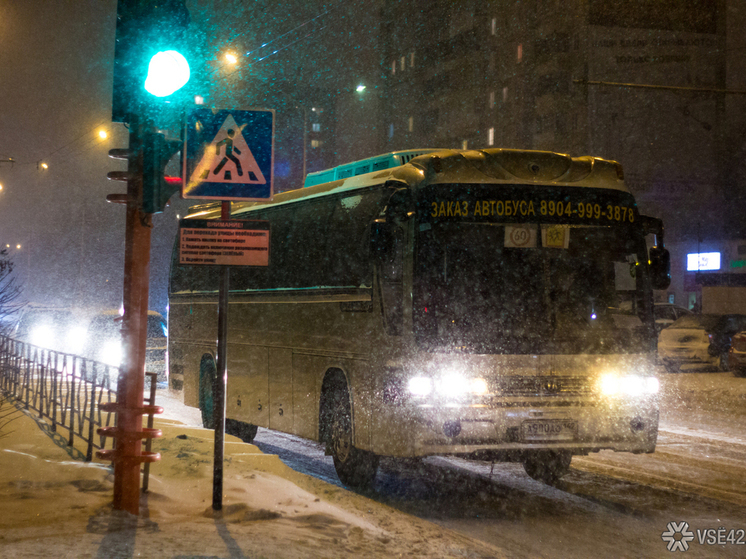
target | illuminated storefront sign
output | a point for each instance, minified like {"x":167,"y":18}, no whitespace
{"x":702,"y":261}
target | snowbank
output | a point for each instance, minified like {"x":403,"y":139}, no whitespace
{"x":54,"y":506}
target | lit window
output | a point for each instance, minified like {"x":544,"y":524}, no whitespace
{"x":505,"y":94}
{"x":403,"y":63}
{"x":316,"y":127}
{"x":491,"y":137}
{"x":393,"y":67}
{"x":411,"y":60}
{"x":519,"y":53}
{"x":391,"y":131}
{"x":316,"y":143}
{"x":411,"y":123}
{"x":492,"y":99}
{"x":494,"y":26}
{"x":465,"y":144}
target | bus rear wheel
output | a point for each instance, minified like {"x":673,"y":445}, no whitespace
{"x":244,"y":431}
{"x":208,"y":371}
{"x":547,"y":466}
{"x":355,"y":468}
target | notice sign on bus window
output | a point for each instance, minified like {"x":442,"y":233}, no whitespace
{"x":223,"y":243}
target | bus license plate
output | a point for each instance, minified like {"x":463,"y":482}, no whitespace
{"x":550,"y":430}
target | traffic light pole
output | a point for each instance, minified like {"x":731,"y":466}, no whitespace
{"x":135,"y":300}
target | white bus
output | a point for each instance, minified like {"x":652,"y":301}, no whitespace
{"x":494,"y":304}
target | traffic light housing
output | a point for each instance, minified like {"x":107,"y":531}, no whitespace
{"x":157,"y":188}
{"x":150,"y":55}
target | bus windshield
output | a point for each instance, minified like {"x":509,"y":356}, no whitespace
{"x":478,"y":290}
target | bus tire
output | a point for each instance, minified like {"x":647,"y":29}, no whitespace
{"x":355,"y":468}
{"x":547,"y":466}
{"x":208,"y":371}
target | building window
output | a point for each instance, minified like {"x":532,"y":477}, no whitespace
{"x":393,"y":67}
{"x":391,"y":131}
{"x":491,"y":137}
{"x":402,"y":63}
{"x":411,"y":59}
{"x":493,"y":28}
{"x":316,"y":127}
{"x":492,"y":99}
{"x":411,"y":124}
{"x":316,"y":143}
{"x":465,"y":144}
{"x":505,"y":94}
{"x":519,"y":53}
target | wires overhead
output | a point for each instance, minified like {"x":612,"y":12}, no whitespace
{"x":260,"y":53}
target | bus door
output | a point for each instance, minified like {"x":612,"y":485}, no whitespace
{"x":281,"y":389}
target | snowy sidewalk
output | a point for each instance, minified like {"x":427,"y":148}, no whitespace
{"x":53,"y":506}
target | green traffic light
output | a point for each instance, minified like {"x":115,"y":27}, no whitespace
{"x":168,"y":72}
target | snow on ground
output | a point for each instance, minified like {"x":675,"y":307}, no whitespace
{"x":54,"y":506}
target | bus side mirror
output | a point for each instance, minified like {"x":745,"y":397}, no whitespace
{"x":660,"y":267}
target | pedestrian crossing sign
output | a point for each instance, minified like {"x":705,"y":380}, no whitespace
{"x":229,"y":154}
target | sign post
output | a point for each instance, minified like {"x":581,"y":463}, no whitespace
{"x":229,"y":156}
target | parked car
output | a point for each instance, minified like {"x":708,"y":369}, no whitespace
{"x":699,"y":339}
{"x":54,"y":328}
{"x":668,"y":313}
{"x":104,"y":341}
{"x":737,"y":355}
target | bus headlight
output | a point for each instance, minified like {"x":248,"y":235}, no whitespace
{"x":452,"y":385}
{"x":627,"y":385}
{"x":448,"y":386}
{"x":420,"y":386}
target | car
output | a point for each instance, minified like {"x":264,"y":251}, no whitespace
{"x":104,"y":341}
{"x":668,"y":313}
{"x":54,"y":328}
{"x":737,"y":354}
{"x":699,"y":339}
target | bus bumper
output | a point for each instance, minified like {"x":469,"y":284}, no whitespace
{"x":627,"y":426}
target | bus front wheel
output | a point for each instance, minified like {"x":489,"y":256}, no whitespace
{"x":208,"y":371}
{"x":355,"y":468}
{"x":547,"y":466}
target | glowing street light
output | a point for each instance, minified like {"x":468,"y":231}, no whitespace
{"x":102,"y":134}
{"x":360,"y":88}
{"x":231,"y":58}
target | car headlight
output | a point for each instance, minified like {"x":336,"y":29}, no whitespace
{"x":628,"y":385}
{"x":111,"y":353}
{"x":42,"y":336}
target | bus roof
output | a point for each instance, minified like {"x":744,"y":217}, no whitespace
{"x":446,"y":166}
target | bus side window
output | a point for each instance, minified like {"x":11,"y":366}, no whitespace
{"x":390,"y":270}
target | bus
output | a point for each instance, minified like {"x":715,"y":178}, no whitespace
{"x":493,"y":304}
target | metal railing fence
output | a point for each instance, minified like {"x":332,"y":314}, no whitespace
{"x":66,"y":389}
